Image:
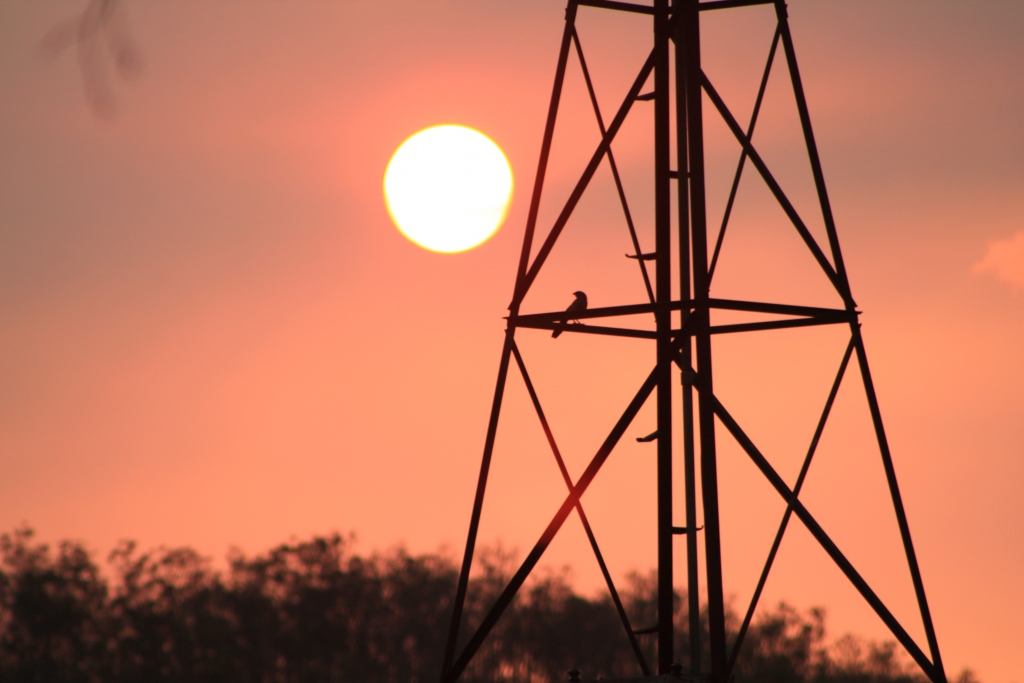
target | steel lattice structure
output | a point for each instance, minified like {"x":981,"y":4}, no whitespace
{"x":682,"y":336}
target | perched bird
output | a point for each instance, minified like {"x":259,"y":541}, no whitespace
{"x":578,"y":304}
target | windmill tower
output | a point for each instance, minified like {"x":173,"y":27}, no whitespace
{"x":682,"y":335}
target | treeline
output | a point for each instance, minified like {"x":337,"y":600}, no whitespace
{"x":314,"y":611}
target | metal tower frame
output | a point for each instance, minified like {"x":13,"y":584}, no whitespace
{"x":678,"y":25}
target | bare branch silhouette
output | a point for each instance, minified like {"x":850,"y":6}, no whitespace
{"x":100,"y":33}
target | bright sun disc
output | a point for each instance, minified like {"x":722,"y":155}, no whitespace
{"x":448,"y":188}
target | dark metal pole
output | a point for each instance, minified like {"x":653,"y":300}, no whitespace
{"x":614,"y":167}
{"x":663,"y":321}
{"x":698,"y":226}
{"x":686,"y":351}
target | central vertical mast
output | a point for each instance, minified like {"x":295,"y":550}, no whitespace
{"x":663,"y":318}
{"x":689,"y":20}
{"x":685,"y":348}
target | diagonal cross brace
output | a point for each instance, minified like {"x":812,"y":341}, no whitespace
{"x":826,"y":543}
{"x":773,"y":185}
{"x":623,"y":617}
{"x":815,"y":160}
{"x":581,"y":185}
{"x":545,"y":151}
{"x":741,"y":634}
{"x":614,"y":167}
{"x":743,"y":156}
{"x":566,"y":508}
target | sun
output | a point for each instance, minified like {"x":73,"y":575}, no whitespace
{"x":448,"y":188}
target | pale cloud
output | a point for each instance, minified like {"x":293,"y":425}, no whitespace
{"x":1005,"y":260}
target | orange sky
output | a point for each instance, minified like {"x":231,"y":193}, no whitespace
{"x":213,"y":335}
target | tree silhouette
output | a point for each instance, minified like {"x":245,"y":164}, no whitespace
{"x":314,"y":610}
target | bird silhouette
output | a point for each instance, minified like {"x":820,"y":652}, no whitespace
{"x":578,"y":304}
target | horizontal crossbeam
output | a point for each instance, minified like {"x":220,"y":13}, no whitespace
{"x":592,"y":329}
{"x":533,"y":319}
{"x":714,"y":329}
{"x":620,"y":6}
{"x":778,"y":309}
{"x":647,"y":9}
{"x":805,"y":316}
{"x":777,"y":324}
{"x":729,"y":4}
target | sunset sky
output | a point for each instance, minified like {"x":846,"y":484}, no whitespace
{"x":214,"y":336}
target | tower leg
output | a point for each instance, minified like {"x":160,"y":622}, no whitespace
{"x":499,"y":391}
{"x":862,"y":359}
{"x":478,"y":504}
{"x":897,"y":502}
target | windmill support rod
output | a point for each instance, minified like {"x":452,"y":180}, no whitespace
{"x":773,"y":185}
{"x":743,"y":157}
{"x":615,"y":169}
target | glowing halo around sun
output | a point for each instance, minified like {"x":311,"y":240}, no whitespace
{"x":448,"y":188}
